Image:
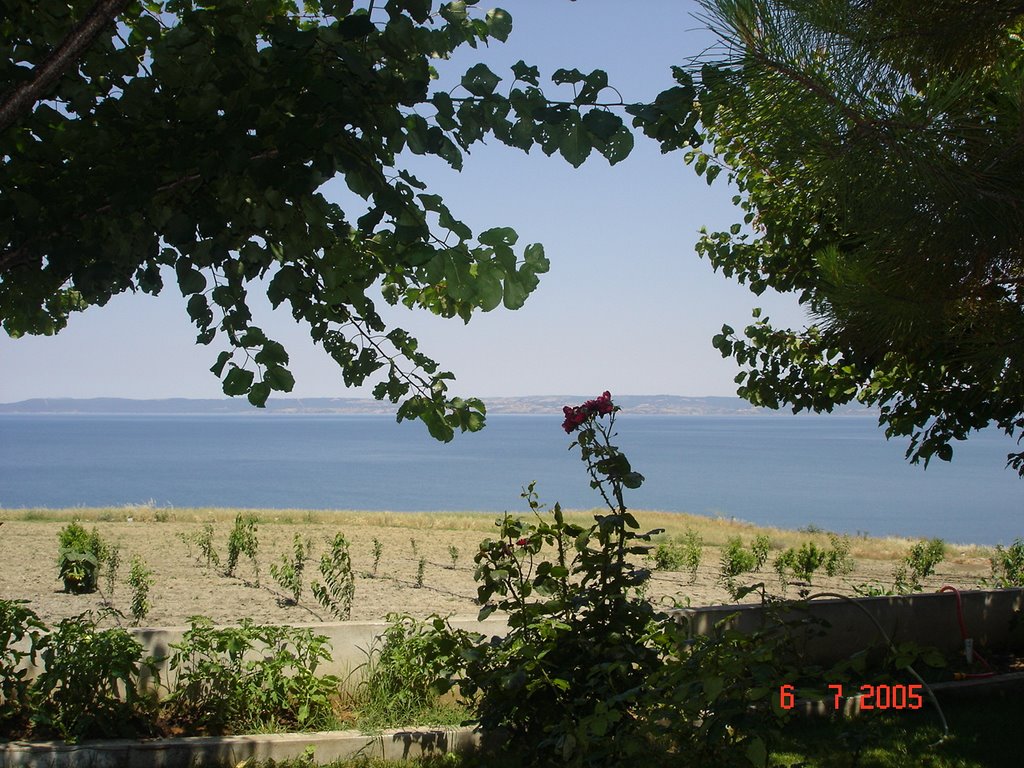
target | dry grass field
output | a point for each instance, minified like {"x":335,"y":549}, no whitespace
{"x":184,"y":586}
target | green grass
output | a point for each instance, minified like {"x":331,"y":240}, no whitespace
{"x":981,"y":735}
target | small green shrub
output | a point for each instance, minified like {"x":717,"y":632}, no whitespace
{"x":1008,"y":565}
{"x":22,"y":636}
{"x":88,"y":686}
{"x":918,"y":565}
{"x":683,"y":554}
{"x":453,"y":553}
{"x":338,"y":589}
{"x":140,"y":579}
{"x":401,"y":681}
{"x":111,"y":565}
{"x":925,"y":556}
{"x":421,"y":568}
{"x":203,"y":540}
{"x":243,"y":541}
{"x":378,"y":552}
{"x":717,"y":700}
{"x":737,"y":560}
{"x":250,"y":677}
{"x":801,"y":563}
{"x":668,"y":556}
{"x":289,"y":573}
{"x":79,"y":558}
{"x":837,"y":558}
{"x":761,"y":546}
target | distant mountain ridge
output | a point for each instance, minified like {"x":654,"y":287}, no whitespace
{"x":660,"y":405}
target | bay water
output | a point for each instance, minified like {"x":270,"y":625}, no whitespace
{"x":836,"y":473}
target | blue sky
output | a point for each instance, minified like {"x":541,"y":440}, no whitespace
{"x":627,"y":305}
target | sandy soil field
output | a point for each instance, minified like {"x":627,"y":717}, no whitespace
{"x":184,"y":586}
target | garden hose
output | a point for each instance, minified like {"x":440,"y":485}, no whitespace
{"x":969,"y":652}
{"x":889,"y":642}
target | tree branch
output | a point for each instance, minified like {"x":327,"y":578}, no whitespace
{"x":21,"y":99}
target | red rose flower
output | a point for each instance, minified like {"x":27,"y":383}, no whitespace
{"x":576,"y":415}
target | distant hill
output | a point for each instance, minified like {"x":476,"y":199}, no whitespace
{"x":663,"y":405}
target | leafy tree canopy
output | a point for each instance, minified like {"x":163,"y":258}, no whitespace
{"x":878,"y":149}
{"x":140,"y":140}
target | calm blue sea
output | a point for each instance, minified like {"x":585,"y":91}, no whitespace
{"x":838,"y":473}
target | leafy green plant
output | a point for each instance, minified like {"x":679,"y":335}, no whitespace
{"x":89,"y":683}
{"x":378,"y":552}
{"x":579,"y":650}
{"x":22,"y":636}
{"x":338,"y":589}
{"x":203,"y":540}
{"x":250,"y":677}
{"x":760,"y":547}
{"x":837,"y":558}
{"x":801,"y":562}
{"x":243,"y":541}
{"x":1008,"y":565}
{"x":737,"y":560}
{"x":111,"y":565}
{"x":716,"y":699}
{"x":140,"y":579}
{"x":668,"y":556}
{"x":401,"y":680}
{"x":421,"y":568}
{"x":453,"y":553}
{"x":289,"y":573}
{"x":683,"y":554}
{"x":79,"y":558}
{"x":919,"y":564}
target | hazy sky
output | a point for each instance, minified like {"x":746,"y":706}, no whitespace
{"x":627,"y":305}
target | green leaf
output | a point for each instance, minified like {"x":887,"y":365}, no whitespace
{"x":618,"y":147}
{"x":480,"y":81}
{"x":198,"y":309}
{"x":713,"y":687}
{"x":279,"y":378}
{"x":218,"y":367}
{"x":563,"y":76}
{"x":575,"y":145}
{"x":458,"y":278}
{"x":499,"y":24}
{"x":528,"y":74}
{"x":238,"y":381}
{"x":757,"y":752}
{"x":536,"y":259}
{"x":593,"y":84}
{"x":515,"y":292}
{"x":602,"y":124}
{"x":455,"y":11}
{"x":190,"y":280}
{"x":498,"y":236}
{"x":488,"y":289}
{"x":259,"y":393}
{"x":272,"y":353}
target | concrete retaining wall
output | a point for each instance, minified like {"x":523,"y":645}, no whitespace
{"x":195,"y":752}
{"x":994,"y":618}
